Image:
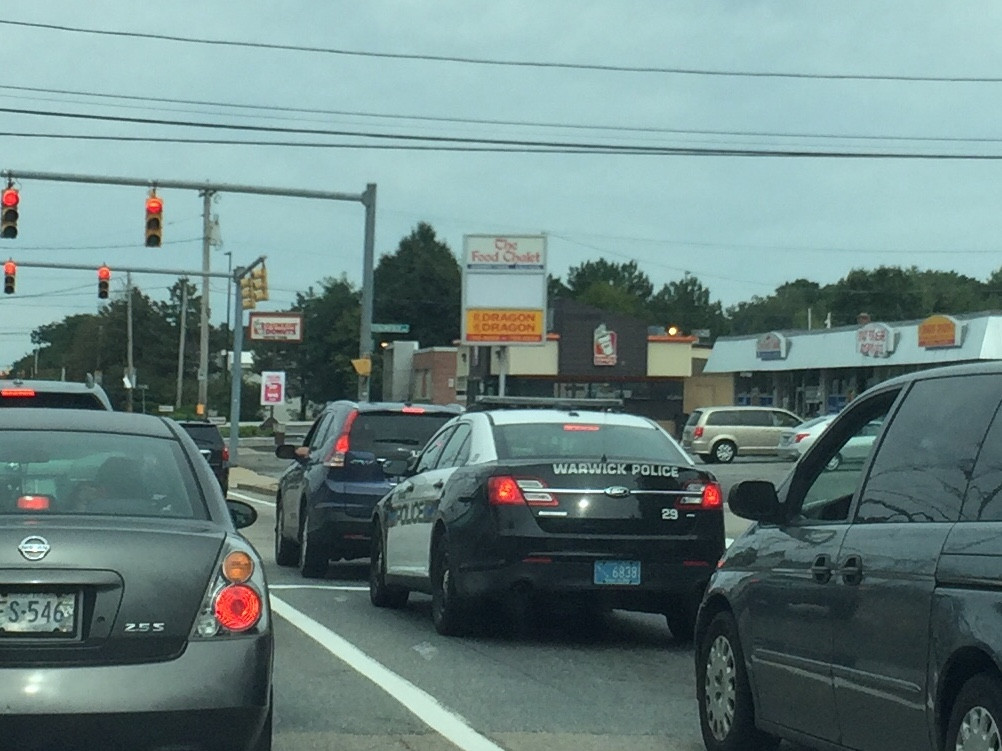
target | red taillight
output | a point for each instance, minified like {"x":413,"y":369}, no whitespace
{"x":226,"y":453}
{"x":799,"y":437}
{"x":504,"y":491}
{"x":17,"y":392}
{"x":697,"y":432}
{"x":713,"y":496}
{"x":413,"y":410}
{"x":237,"y":607}
{"x":33,"y":502}
{"x":343,"y":443}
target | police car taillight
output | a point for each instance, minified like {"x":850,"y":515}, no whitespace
{"x":504,"y":491}
{"x":534,"y":492}
{"x":710,"y":497}
{"x":343,"y":443}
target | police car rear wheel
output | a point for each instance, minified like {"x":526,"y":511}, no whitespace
{"x":447,"y":607}
{"x":381,"y":594}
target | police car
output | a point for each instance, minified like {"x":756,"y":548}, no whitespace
{"x":518,"y":502}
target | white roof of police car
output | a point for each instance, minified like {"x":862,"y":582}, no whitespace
{"x":518,"y":416}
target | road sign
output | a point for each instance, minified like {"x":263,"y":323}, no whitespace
{"x":391,"y":328}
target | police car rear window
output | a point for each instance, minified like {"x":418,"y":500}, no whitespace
{"x":50,"y":400}
{"x":570,"y":441}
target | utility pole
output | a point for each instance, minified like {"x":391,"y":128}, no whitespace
{"x":368,"y":253}
{"x":128,"y":328}
{"x":203,"y":343}
{"x":180,"y":348}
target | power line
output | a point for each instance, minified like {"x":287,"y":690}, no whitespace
{"x":509,"y":144}
{"x":496,"y":122}
{"x":507,"y":63}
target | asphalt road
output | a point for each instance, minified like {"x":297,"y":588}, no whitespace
{"x":354,"y":678}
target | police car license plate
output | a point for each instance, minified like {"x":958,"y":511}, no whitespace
{"x":617,"y":572}
{"x":37,"y":613}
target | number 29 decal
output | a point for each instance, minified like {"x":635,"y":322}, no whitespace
{"x":669,"y":514}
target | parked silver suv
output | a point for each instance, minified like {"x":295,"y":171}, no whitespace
{"x":718,"y":434}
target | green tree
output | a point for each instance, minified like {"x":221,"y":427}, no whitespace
{"x":686,"y":303}
{"x":419,"y":284}
{"x":626,"y":276}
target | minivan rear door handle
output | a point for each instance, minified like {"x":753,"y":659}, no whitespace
{"x":821,"y":569}
{"x":852,"y":570}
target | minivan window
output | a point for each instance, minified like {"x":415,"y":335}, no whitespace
{"x":724,"y":417}
{"x":759,"y":418}
{"x":920,"y":473}
{"x":984,"y":494}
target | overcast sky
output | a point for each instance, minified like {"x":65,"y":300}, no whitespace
{"x":742,"y":224}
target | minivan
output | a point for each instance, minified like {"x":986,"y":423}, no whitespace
{"x":861,"y":608}
{"x":718,"y":434}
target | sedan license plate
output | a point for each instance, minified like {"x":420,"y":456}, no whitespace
{"x":617,"y":572}
{"x":37,"y":613}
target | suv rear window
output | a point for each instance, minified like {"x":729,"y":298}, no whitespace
{"x":387,"y":433}
{"x":51,"y":399}
{"x":554,"y":440}
{"x":203,"y":434}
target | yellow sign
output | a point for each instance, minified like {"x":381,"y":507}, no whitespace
{"x":363,"y":366}
{"x":499,"y":325}
{"x":939,"y":331}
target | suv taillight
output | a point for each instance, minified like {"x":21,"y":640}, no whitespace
{"x":226,"y":453}
{"x":697,"y":432}
{"x":343,"y":443}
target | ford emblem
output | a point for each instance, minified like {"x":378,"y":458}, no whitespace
{"x":34,"y":548}
{"x":617,"y":491}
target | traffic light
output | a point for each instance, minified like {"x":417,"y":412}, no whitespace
{"x":103,"y":277}
{"x":247,"y":293}
{"x":9,"y":274}
{"x":8,"y":212}
{"x":259,"y":283}
{"x":154,"y":220}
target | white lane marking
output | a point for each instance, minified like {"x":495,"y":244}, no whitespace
{"x":422,"y":705}
{"x":249,"y":499}
{"x":330,"y":587}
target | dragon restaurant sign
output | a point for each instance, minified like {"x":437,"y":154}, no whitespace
{"x":875,"y":340}
{"x":772,"y":346}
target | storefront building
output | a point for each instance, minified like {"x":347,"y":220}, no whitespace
{"x":819,"y":371}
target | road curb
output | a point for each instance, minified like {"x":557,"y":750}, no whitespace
{"x":262,"y":489}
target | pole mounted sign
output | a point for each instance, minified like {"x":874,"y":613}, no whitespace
{"x":275,"y":327}
{"x":504,"y":290}
{"x":272,"y":387}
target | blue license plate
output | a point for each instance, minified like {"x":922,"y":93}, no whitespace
{"x":617,"y":572}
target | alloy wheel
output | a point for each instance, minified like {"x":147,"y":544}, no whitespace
{"x":720,"y":692}
{"x":978,"y":731}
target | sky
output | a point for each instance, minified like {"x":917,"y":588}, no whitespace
{"x":874,"y":85}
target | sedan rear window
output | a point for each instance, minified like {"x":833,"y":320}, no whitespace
{"x":553,"y":441}
{"x":96,"y":473}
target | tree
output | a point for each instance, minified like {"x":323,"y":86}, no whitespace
{"x":626,"y":276}
{"x":686,"y":304}
{"x":420,"y":284}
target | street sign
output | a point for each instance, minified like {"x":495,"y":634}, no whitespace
{"x":391,"y":328}
{"x":165,"y":408}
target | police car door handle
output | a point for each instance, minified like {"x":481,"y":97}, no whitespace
{"x":852,"y":570}
{"x":821,"y":569}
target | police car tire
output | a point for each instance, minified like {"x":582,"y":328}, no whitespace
{"x":742,"y":735}
{"x":448,"y":611}
{"x":286,"y":550}
{"x":381,"y":594}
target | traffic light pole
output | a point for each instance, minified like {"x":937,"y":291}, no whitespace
{"x":236,"y":370}
{"x":367,"y":199}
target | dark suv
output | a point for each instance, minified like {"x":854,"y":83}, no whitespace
{"x":861,"y":610}
{"x":326,"y":497}
{"x":212,"y":446}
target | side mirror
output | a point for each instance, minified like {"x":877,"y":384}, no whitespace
{"x":395,"y":467}
{"x":243,"y":514}
{"x":286,"y":451}
{"x":755,"y":500}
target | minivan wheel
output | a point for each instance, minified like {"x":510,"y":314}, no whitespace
{"x":314,"y":558}
{"x":448,"y":611}
{"x":381,"y":594}
{"x":977,"y":712}
{"x":724,"y":452}
{"x":726,"y":711}
{"x":286,"y":550}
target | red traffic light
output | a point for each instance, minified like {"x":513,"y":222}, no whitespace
{"x":10,"y":197}
{"x":154,"y":205}
{"x":104,"y":273}
{"x":10,"y":268}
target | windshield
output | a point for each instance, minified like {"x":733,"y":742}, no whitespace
{"x":95,"y":473}
{"x":581,"y":441}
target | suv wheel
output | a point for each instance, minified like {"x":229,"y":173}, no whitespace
{"x":381,"y":594}
{"x":726,"y":712}
{"x":447,"y":608}
{"x":314,"y":557}
{"x":724,"y":452}
{"x":977,"y":712}
{"x":286,"y":550}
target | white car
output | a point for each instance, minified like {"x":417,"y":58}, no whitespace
{"x":795,"y":441}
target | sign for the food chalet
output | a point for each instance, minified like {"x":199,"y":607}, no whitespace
{"x":504,"y":290}
{"x":276,"y":327}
